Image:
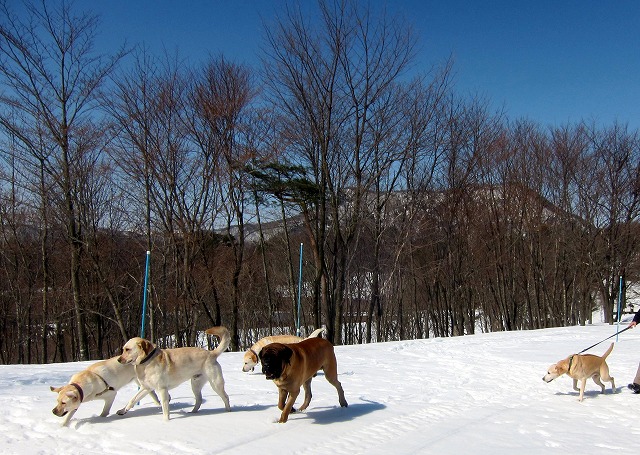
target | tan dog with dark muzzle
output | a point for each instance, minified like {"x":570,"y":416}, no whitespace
{"x":292,"y":366}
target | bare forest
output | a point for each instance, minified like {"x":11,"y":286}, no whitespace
{"x":422,"y":212}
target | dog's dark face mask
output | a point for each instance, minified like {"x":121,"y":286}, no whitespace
{"x":273,"y":359}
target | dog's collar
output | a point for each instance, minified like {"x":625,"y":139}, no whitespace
{"x":148,"y":357}
{"x":255,"y":353}
{"x":570,"y":363}
{"x":79,"y":389}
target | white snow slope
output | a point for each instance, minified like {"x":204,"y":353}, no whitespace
{"x":479,"y":394}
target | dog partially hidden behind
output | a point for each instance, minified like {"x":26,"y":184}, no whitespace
{"x":163,"y":369}
{"x":100,"y":381}
{"x":581,"y":367}
{"x":292,"y":366}
{"x":252,"y":356}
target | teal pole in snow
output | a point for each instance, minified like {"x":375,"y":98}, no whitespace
{"x":144,"y":293}
{"x":299,"y":292}
{"x":619,"y":307}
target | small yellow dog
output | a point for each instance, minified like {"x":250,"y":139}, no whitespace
{"x":582,"y":367}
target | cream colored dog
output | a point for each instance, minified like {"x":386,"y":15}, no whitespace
{"x":163,"y":369}
{"x":100,"y":381}
{"x":252,"y":356}
{"x":582,"y":367}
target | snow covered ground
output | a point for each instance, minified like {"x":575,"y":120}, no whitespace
{"x":480,"y":394}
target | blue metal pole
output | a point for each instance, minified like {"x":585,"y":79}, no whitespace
{"x":144,"y":294}
{"x":619,"y":307}
{"x":298,"y":331}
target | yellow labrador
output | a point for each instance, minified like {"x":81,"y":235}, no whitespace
{"x":164,"y":369}
{"x":582,"y":367}
{"x":252,"y":356}
{"x":100,"y":381}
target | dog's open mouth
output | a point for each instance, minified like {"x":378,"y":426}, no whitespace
{"x":60,"y":414}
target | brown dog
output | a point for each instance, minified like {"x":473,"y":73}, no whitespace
{"x":291,"y":366}
{"x":582,"y":367}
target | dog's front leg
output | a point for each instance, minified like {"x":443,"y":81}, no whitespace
{"x":289,"y":406}
{"x":164,"y":399}
{"x":575,"y":385}
{"x":108,"y":398}
{"x":137,"y":397}
{"x":282,"y":398}
{"x":583,"y":384}
{"x":307,"y":395}
{"x":67,"y":418}
{"x":155,"y":398}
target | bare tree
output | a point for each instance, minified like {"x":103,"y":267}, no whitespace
{"x":221,"y":98}
{"x":52,"y":76}
{"x":333,"y":83}
{"x":617,"y":160}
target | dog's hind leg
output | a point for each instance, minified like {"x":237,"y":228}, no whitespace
{"x":331,"y":373}
{"x":596,"y":379}
{"x":605,"y":376}
{"x":197,"y":382}
{"x":216,"y":380}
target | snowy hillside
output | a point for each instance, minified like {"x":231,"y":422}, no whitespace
{"x":480,"y":394}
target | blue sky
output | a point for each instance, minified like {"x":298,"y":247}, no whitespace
{"x":553,"y":62}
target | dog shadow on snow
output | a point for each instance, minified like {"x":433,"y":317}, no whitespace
{"x":594,"y":393}
{"x":333,"y":414}
{"x":177,"y":410}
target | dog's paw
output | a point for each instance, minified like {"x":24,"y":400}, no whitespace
{"x":121,"y":412}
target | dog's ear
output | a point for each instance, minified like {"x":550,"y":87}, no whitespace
{"x":145,"y":346}
{"x":285,"y":354}
{"x":55,"y":389}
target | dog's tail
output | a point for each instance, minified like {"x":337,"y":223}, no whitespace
{"x":317,"y":332}
{"x":225,"y":338}
{"x":604,"y":356}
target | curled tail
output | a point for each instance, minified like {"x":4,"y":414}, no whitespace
{"x":604,"y":356}
{"x":317,"y":332}
{"x":223,"y":335}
